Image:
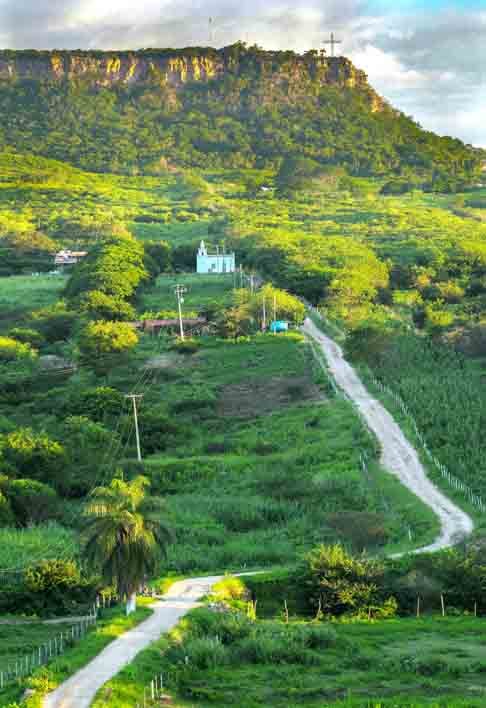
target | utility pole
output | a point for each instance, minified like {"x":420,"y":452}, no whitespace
{"x":134,"y":398}
{"x":179,"y":292}
{"x":275,"y":314}
{"x":264,"y":318}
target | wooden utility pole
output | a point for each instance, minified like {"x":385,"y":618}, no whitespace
{"x":134,"y":398}
{"x":179,"y":292}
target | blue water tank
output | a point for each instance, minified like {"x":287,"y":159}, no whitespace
{"x":279,"y":326}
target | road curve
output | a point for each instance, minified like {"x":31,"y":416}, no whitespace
{"x":80,"y":690}
{"x":398,"y":456}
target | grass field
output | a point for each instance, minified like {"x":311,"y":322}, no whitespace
{"x":112,"y":623}
{"x":21,"y":293}
{"x":20,"y":547}
{"x":19,"y":640}
{"x":391,"y":663}
{"x":201,"y":290}
{"x":260,"y":461}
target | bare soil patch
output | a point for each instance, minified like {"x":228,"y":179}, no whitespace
{"x":252,"y":398}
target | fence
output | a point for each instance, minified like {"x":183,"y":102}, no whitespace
{"x":43,"y":654}
{"x":152,"y":692}
{"x":454,"y":482}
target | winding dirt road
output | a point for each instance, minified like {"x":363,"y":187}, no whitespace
{"x":80,"y":690}
{"x":398,"y":456}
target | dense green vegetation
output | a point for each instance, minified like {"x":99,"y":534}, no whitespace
{"x":263,"y":108}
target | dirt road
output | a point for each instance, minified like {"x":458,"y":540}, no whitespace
{"x":80,"y":690}
{"x":398,"y":456}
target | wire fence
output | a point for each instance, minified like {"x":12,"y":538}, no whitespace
{"x":453,"y":481}
{"x":152,"y":693}
{"x":25,"y":665}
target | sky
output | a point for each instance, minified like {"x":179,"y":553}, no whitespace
{"x":427,"y":58}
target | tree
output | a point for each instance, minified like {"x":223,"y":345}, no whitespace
{"x":124,"y":535}
{"x":100,"y":306}
{"x":33,"y":455}
{"x":99,"y":339}
{"x":12,"y":350}
{"x":288,"y":307}
{"x":296,"y":173}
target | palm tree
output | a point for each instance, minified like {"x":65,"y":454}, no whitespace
{"x":124,"y":534}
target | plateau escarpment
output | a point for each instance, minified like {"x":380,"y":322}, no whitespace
{"x":237,"y":107}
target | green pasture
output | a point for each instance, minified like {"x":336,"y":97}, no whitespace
{"x":201,"y":291}
{"x":433,"y":662}
{"x":21,"y":293}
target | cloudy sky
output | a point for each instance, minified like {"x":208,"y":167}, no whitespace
{"x":428,"y":58}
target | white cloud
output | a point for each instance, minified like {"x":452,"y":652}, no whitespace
{"x":386,"y":69}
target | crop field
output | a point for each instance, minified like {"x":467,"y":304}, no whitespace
{"x":446,"y":394}
{"x":403,"y":662}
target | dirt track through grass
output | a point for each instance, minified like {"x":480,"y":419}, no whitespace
{"x":398,"y":456}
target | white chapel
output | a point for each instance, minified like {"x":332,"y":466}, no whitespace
{"x":214,"y":262}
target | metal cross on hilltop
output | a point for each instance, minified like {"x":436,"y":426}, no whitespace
{"x":332,"y":42}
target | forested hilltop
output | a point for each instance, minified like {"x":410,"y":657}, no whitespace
{"x":238,"y":107}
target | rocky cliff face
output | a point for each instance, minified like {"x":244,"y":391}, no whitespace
{"x":292,"y":73}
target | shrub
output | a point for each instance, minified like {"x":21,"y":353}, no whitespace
{"x":27,"y":336}
{"x":55,"y":323}
{"x":55,"y":587}
{"x":32,"y":502}
{"x":7,"y":517}
{"x":189,"y":345}
{"x":337,"y":583}
{"x":230,"y":588}
{"x":201,"y":653}
{"x":159,"y":431}
{"x":12,"y":350}
{"x":99,"y":403}
{"x":362,"y":529}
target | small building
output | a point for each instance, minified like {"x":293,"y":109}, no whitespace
{"x":66,"y":257}
{"x":214,"y":262}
